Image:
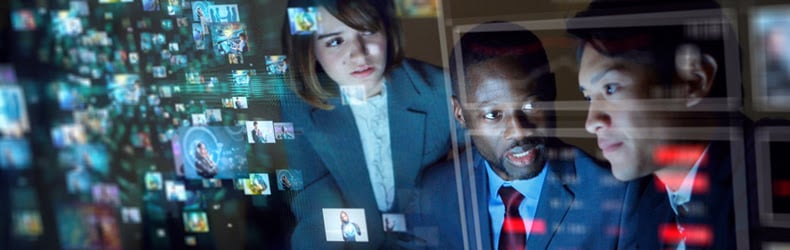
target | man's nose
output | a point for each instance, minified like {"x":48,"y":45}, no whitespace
{"x":518,"y":126}
{"x":597,"y":117}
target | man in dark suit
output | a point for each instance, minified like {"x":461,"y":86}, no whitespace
{"x":659,"y":110}
{"x":517,"y":187}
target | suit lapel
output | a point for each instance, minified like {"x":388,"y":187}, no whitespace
{"x":338,"y":129}
{"x":407,"y":132}
{"x":556,"y":199}
{"x":481,"y":190}
{"x":653,"y":209}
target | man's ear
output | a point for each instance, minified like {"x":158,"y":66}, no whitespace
{"x":458,"y":113}
{"x":696,"y":71}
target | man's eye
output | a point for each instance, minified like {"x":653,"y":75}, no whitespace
{"x":493,"y":115}
{"x":334,"y":42}
{"x":611,"y":88}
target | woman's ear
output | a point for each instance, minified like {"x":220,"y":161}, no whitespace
{"x":696,"y":72}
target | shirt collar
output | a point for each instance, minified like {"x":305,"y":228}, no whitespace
{"x":683,"y":194}
{"x":529,"y":188}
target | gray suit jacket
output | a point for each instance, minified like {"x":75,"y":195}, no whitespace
{"x":581,"y":206}
{"x":329,"y":154}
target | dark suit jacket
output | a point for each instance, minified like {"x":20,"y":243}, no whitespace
{"x":581,"y":205}
{"x":329,"y":153}
{"x":712,"y":209}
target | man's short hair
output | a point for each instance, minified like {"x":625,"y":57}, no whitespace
{"x":499,"y":40}
{"x":653,"y":45}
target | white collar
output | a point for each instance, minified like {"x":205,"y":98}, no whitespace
{"x":683,"y":194}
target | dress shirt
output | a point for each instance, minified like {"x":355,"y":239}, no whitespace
{"x":496,"y":208}
{"x":683,"y":194}
{"x":372,"y":121}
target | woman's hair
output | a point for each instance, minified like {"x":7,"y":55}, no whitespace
{"x":307,"y":78}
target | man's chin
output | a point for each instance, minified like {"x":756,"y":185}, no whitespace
{"x":521,"y":172}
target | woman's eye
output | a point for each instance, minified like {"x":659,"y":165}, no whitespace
{"x":334,"y":42}
{"x":493,"y":115}
{"x":367,"y":33}
{"x":611,"y":88}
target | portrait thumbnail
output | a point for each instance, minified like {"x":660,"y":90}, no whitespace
{"x":260,"y":131}
{"x":276,"y":64}
{"x":200,"y":35}
{"x":27,"y":223}
{"x":195,"y":222}
{"x":770,"y":28}
{"x":174,"y":7}
{"x":213,"y":152}
{"x":82,"y":162}
{"x":289,"y":179}
{"x":93,"y":120}
{"x":178,"y":62}
{"x":65,"y":23}
{"x":238,"y":184}
{"x":229,"y":38}
{"x":240,"y":102}
{"x":24,"y":20}
{"x":106,"y":193}
{"x":212,"y":183}
{"x":165,"y":91}
{"x":68,"y":134}
{"x":345,"y":224}
{"x":87,"y":227}
{"x":175,"y":191}
{"x":214,"y":115}
{"x":199,"y":120}
{"x":126,"y":89}
{"x":130,"y":215}
{"x":257,"y":184}
{"x":70,"y":97}
{"x":200,"y":11}
{"x":394,"y":222}
{"x":416,"y":8}
{"x":160,"y":71}
{"x":153,"y":181}
{"x":13,"y":111}
{"x":284,"y":131}
{"x":241,"y":77}
{"x":223,"y":13}
{"x":303,"y":21}
{"x":15,"y":154}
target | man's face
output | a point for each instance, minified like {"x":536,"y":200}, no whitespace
{"x":506,"y":132}
{"x":626,"y":123}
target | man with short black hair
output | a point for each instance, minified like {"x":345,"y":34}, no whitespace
{"x":521,"y":187}
{"x":648,"y":86}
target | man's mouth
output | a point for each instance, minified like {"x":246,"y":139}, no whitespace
{"x":609,"y":145}
{"x":520,"y":156}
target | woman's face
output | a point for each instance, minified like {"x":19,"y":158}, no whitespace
{"x":349,"y":56}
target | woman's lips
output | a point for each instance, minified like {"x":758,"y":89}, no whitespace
{"x":363,"y":72}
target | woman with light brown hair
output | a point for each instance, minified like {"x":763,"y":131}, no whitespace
{"x":366,"y":150}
